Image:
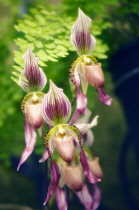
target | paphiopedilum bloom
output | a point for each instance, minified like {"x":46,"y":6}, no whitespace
{"x":86,"y":69}
{"x":32,"y":80}
{"x":65,"y":138}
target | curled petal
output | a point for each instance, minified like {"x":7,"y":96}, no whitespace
{"x":55,"y":176}
{"x":30,"y":139}
{"x":32,"y":78}
{"x":56,"y":106}
{"x":94,"y":75}
{"x":86,"y":170}
{"x":80,"y":35}
{"x":103,"y":97}
{"x":65,"y":148}
{"x":85,"y":127}
{"x":45,"y":156}
{"x":61,"y":199}
{"x":81,"y":106}
{"x":73,"y":177}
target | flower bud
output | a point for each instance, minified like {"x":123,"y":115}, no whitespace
{"x":65,"y":148}
{"x":94,"y":75}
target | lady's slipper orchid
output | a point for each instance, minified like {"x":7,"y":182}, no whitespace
{"x":86,"y":69}
{"x":63,"y":137}
{"x":32,"y":80}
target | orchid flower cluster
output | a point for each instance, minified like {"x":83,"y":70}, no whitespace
{"x":64,"y":136}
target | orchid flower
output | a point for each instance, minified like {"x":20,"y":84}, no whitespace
{"x":86,"y":69}
{"x":32,"y":80}
{"x":63,"y":137}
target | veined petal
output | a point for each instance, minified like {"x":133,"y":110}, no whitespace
{"x":86,"y":170}
{"x":81,"y":106}
{"x":85,"y":127}
{"x":80,"y":35}
{"x":56,"y":106}
{"x":103,"y":97}
{"x":61,"y":201}
{"x":55,"y":176}
{"x":32,"y":78}
{"x":30,"y":139}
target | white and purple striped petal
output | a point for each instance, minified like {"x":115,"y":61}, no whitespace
{"x":56,"y":106}
{"x":32,"y":78}
{"x":61,"y":201}
{"x":55,"y":176}
{"x":86,"y":170}
{"x":80,"y":35}
{"x":103,"y":97}
{"x":30,"y":139}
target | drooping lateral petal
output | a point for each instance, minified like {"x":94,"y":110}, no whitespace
{"x":85,"y":198}
{"x":86,"y":170}
{"x":30,"y":139}
{"x":85,"y":127}
{"x":55,"y":176}
{"x":80,"y":35}
{"x":32,"y":78}
{"x":56,"y":106}
{"x":103,"y":97}
{"x":80,"y":108}
{"x":61,"y":201}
